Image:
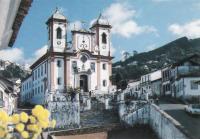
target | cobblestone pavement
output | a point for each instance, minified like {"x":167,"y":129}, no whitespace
{"x":98,"y":116}
{"x":132,"y":133}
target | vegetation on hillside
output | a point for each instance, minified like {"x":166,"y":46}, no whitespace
{"x":158,"y":58}
{"x":13,"y":71}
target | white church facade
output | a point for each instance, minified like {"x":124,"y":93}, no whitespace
{"x":85,"y":62}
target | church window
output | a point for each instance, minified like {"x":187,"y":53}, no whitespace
{"x":58,"y":63}
{"x":42,"y":70}
{"x":38,"y":72}
{"x":74,"y":64}
{"x":104,"y":83}
{"x":59,"y":33}
{"x":41,"y":88}
{"x":38,"y":90}
{"x":83,"y":58}
{"x":104,"y":66}
{"x":92,"y":66}
{"x":45,"y":70}
{"x":35,"y":74}
{"x":35,"y":91}
{"x":59,"y":81}
{"x":104,"y":38}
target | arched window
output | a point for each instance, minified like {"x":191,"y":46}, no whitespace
{"x":104,"y":38}
{"x":59,"y":33}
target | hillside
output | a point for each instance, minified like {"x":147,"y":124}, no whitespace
{"x":13,"y":71}
{"x":158,"y":58}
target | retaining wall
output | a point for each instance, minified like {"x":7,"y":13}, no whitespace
{"x":163,"y":124}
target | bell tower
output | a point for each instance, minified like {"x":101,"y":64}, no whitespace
{"x":102,"y":28}
{"x":57,"y":32}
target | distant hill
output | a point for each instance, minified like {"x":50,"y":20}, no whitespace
{"x":13,"y":71}
{"x":158,"y":58}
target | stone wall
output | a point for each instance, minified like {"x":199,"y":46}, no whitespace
{"x":65,"y":110}
{"x":163,"y":124}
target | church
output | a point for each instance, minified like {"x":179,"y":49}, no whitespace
{"x":84,"y":62}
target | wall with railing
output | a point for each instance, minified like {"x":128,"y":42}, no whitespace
{"x":147,"y":113}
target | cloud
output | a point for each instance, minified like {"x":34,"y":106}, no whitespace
{"x":16,"y":55}
{"x":76,"y":25}
{"x":191,"y":29}
{"x":120,"y":16}
{"x":112,"y":50}
{"x":38,"y":53}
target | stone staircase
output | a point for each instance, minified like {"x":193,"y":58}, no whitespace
{"x":98,"y":116}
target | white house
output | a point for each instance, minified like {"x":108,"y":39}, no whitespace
{"x":185,"y":74}
{"x":166,"y":84}
{"x":150,"y":83}
{"x":134,"y":87}
{"x":9,"y":92}
{"x":86,"y":63}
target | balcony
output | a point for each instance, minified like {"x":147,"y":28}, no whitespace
{"x":188,"y":71}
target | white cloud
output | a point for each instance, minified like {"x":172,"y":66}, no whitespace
{"x":112,"y":50}
{"x":191,"y":29}
{"x":40,"y":52}
{"x":76,"y":25}
{"x":120,"y":16}
{"x":14,"y":55}
{"x":17,"y":55}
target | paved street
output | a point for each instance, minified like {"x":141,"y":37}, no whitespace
{"x":131,"y":133}
{"x":190,"y":123}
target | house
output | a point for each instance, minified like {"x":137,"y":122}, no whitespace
{"x":134,"y":63}
{"x":12,"y":13}
{"x":134,"y":87}
{"x":85,"y":63}
{"x":151,"y":83}
{"x":9,"y":91}
{"x":166,"y":84}
{"x":156,"y":82}
{"x":4,"y":64}
{"x":184,"y":75}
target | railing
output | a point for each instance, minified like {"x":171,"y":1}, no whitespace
{"x":183,"y":70}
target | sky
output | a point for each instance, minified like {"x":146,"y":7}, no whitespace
{"x":140,"y":25}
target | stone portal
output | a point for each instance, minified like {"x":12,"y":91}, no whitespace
{"x":84,"y":82}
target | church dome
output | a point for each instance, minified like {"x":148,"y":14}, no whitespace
{"x":101,"y":20}
{"x":58,"y":15}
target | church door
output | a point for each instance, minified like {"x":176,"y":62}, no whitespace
{"x":84,"y":82}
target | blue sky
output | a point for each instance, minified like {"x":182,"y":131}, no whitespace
{"x":140,"y":25}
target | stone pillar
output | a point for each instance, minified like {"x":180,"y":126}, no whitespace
{"x":110,"y":72}
{"x":98,"y":74}
{"x":65,"y":72}
{"x":68,"y":72}
{"x":77,"y":97}
{"x":52,"y":74}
